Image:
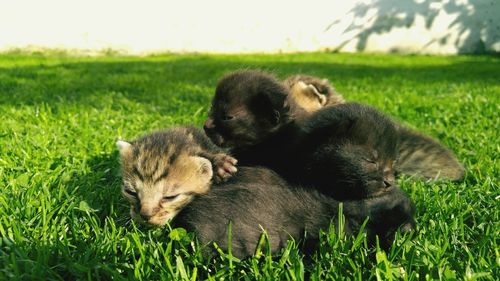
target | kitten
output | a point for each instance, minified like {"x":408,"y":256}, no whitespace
{"x":419,"y":155}
{"x":423,"y":156}
{"x":165,"y":174}
{"x":346,"y":151}
{"x":147,"y":162}
{"x":308,"y":94}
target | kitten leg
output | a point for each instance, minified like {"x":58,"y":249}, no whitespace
{"x":224,"y":165}
{"x":398,"y":215}
{"x":389,"y":213}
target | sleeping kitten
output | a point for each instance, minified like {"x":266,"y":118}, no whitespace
{"x":346,"y":151}
{"x":165,"y":175}
{"x":419,"y":155}
{"x":148,"y":162}
{"x":308,"y":94}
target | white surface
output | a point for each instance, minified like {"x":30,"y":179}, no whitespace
{"x":235,"y":26}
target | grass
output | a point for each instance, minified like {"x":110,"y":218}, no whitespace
{"x":62,"y":216}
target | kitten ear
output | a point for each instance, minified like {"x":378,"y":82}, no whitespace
{"x":264,"y":105}
{"x":123,"y":146}
{"x":204,"y":167}
{"x":277,"y":117}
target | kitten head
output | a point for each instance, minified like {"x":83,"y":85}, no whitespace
{"x":247,"y":107}
{"x":161,"y":174}
{"x":309,"y":94}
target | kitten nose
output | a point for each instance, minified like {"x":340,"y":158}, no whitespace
{"x":209,"y":124}
{"x":389,"y":177}
{"x":389,"y":180}
{"x":147,"y":212}
{"x":145,"y":217}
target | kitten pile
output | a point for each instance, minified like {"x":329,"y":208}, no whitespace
{"x":301,"y":150}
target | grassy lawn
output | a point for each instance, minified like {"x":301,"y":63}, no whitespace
{"x":62,"y":215}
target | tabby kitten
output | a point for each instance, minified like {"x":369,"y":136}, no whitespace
{"x":419,"y":155}
{"x":161,"y":175}
{"x":166,"y":176}
{"x":308,"y":94}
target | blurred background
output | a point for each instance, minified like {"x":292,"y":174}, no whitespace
{"x":231,"y":26}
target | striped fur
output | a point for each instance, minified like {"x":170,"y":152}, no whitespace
{"x":164,"y":170}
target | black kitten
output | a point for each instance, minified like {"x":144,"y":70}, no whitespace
{"x":346,"y":151}
{"x":257,"y":199}
{"x":169,"y":174}
{"x":419,"y":155}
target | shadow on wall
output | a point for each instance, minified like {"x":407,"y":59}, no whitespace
{"x":475,"y":29}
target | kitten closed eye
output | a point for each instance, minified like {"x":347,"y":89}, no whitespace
{"x":130,"y":192}
{"x":227,"y":117}
{"x":171,"y":197}
{"x":370,"y":160}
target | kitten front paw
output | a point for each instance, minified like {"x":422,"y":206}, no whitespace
{"x":392,"y":212}
{"x":224,"y":166}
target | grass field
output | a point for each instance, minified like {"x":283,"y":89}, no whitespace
{"x":62,"y":216}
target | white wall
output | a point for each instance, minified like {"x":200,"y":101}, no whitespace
{"x":230,"y":26}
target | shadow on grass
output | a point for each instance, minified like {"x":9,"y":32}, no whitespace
{"x":158,"y":83}
{"x":88,"y":217}
{"x":98,"y":189}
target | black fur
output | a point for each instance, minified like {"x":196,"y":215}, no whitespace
{"x":257,"y":198}
{"x":346,"y":151}
{"x":419,"y":155}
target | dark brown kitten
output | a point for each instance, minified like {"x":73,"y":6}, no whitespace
{"x":257,"y":199}
{"x":166,"y":176}
{"x":419,"y":155}
{"x":346,"y":151}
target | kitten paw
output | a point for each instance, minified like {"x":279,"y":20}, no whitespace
{"x":225,"y":167}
